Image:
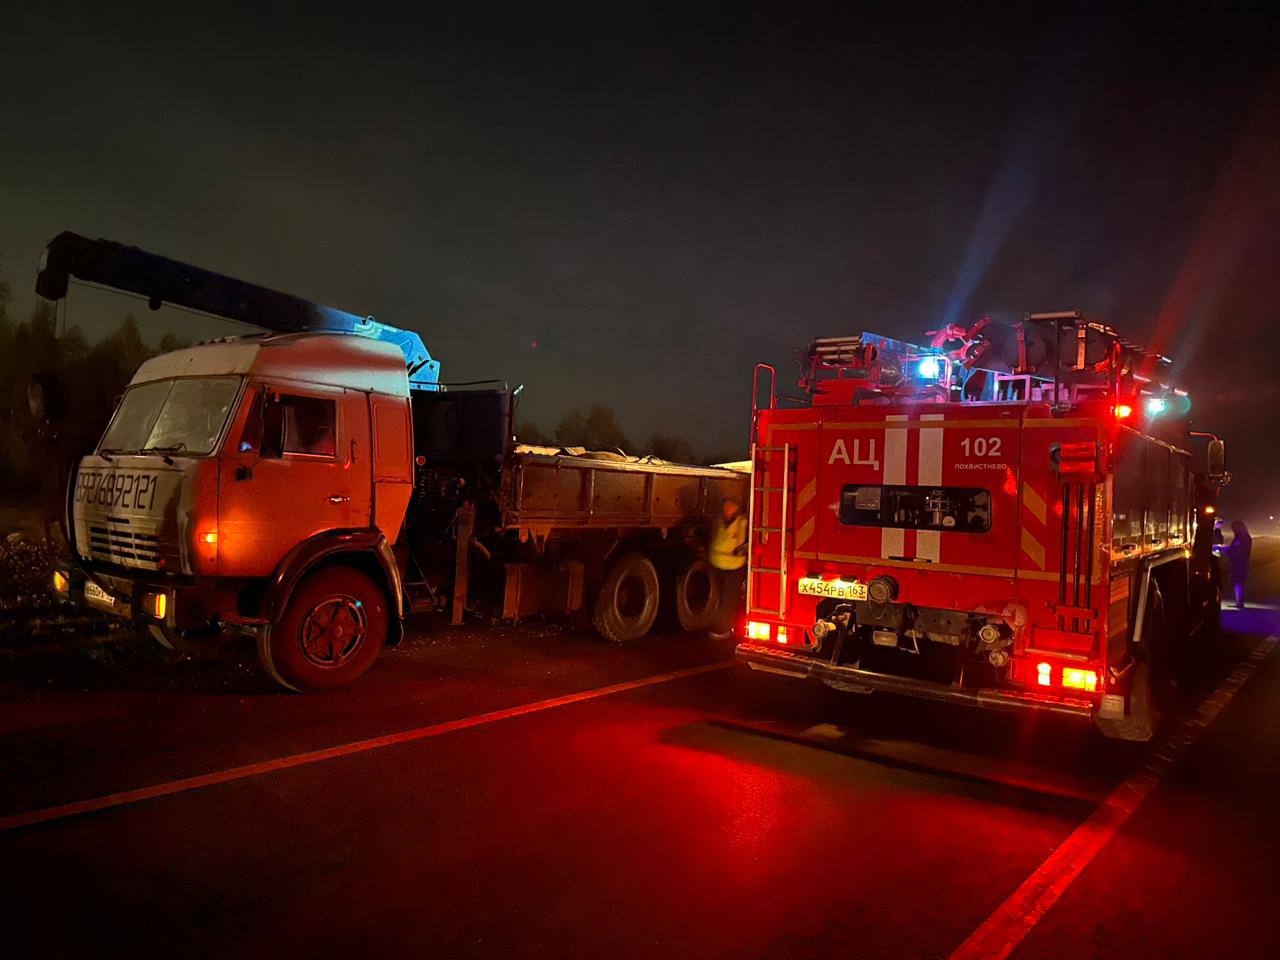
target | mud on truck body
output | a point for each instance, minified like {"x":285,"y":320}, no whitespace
{"x":312,"y":485}
{"x":1007,"y":518}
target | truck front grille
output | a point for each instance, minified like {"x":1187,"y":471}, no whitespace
{"x":130,"y":542}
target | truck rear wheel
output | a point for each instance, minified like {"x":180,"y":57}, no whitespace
{"x":697,"y":596}
{"x":1151,"y":690}
{"x":333,"y":629}
{"x":628,"y":600}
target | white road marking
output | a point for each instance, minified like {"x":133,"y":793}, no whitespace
{"x":1001,"y":932}
{"x":125,"y":797}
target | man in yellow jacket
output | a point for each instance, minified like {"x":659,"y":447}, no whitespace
{"x":729,"y":564}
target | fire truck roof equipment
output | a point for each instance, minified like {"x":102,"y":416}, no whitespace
{"x":162,"y":280}
{"x":1065,"y":347}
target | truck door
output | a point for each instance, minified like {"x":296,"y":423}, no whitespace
{"x":309,"y":470}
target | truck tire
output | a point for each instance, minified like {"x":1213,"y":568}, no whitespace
{"x":1212,"y":622}
{"x":628,"y":600}
{"x":697,"y":595}
{"x":332,"y":630}
{"x":1151,"y":690}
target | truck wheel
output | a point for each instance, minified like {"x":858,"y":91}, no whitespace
{"x":697,"y":596}
{"x":331,"y":632}
{"x":1212,"y":615}
{"x":628,"y":600}
{"x":1151,"y":690}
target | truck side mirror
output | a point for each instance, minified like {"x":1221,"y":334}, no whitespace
{"x":256,"y":438}
{"x":1217,"y":458}
{"x":271,"y":445}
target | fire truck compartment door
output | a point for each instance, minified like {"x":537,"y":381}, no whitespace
{"x":928,"y":489}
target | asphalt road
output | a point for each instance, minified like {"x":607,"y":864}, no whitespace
{"x":526,"y":792}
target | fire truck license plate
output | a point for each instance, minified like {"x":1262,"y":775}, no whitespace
{"x":838,"y":589}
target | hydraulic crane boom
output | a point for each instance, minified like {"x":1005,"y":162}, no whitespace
{"x":162,"y":280}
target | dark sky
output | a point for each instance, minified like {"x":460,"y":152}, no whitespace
{"x":634,"y":203}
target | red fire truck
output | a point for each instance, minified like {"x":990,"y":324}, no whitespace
{"x":1006,"y":518}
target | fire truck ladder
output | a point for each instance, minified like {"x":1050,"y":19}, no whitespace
{"x":772,"y":479}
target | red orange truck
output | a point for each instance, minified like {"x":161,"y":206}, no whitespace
{"x":310,"y":485}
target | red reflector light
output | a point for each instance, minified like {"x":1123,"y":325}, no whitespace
{"x":757,"y":630}
{"x":1044,"y":674}
{"x":210,"y":538}
{"x":1078,"y":679}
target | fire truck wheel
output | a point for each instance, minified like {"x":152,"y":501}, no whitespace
{"x":1151,"y":691}
{"x":628,"y":600}
{"x":331,"y":632}
{"x":697,"y":596}
{"x":1212,"y":623}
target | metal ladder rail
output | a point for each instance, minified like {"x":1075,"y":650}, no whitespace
{"x":781,"y":570}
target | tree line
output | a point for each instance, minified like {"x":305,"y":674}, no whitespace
{"x":78,"y":382}
{"x":597,"y":428}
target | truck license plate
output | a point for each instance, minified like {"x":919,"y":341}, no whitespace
{"x":837,"y":589}
{"x":94,"y":592}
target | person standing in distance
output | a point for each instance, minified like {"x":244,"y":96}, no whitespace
{"x":728,"y":564}
{"x":1237,"y":554}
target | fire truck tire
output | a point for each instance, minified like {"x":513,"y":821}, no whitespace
{"x":1152,"y":688}
{"x":627,"y":603}
{"x":697,"y":595}
{"x":1212,"y":622}
{"x":332,"y":630}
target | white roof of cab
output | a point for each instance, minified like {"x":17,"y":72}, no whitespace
{"x":332,"y":359}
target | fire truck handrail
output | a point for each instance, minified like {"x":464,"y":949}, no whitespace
{"x":755,"y":386}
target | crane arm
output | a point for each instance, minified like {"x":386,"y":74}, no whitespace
{"x":162,"y":280}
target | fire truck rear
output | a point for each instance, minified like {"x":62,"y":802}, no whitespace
{"x":1009,"y":517}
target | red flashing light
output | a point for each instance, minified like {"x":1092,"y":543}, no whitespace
{"x":210,"y":538}
{"x":1123,"y":411}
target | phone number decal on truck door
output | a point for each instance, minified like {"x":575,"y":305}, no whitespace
{"x":117,"y":489}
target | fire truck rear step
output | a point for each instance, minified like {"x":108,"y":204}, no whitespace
{"x":800,"y":666}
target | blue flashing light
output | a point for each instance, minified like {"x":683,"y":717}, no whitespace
{"x":930,"y":368}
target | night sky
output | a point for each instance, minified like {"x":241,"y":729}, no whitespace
{"x":633,"y":204}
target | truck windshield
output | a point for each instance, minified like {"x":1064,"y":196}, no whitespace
{"x":172,"y":416}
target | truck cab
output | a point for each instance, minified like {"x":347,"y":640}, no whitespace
{"x":227,"y":463}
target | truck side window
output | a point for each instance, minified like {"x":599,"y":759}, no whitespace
{"x":952,"y":509}
{"x":309,"y":425}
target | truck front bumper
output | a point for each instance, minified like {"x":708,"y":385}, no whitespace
{"x":794,"y":663}
{"x":144,"y":602}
